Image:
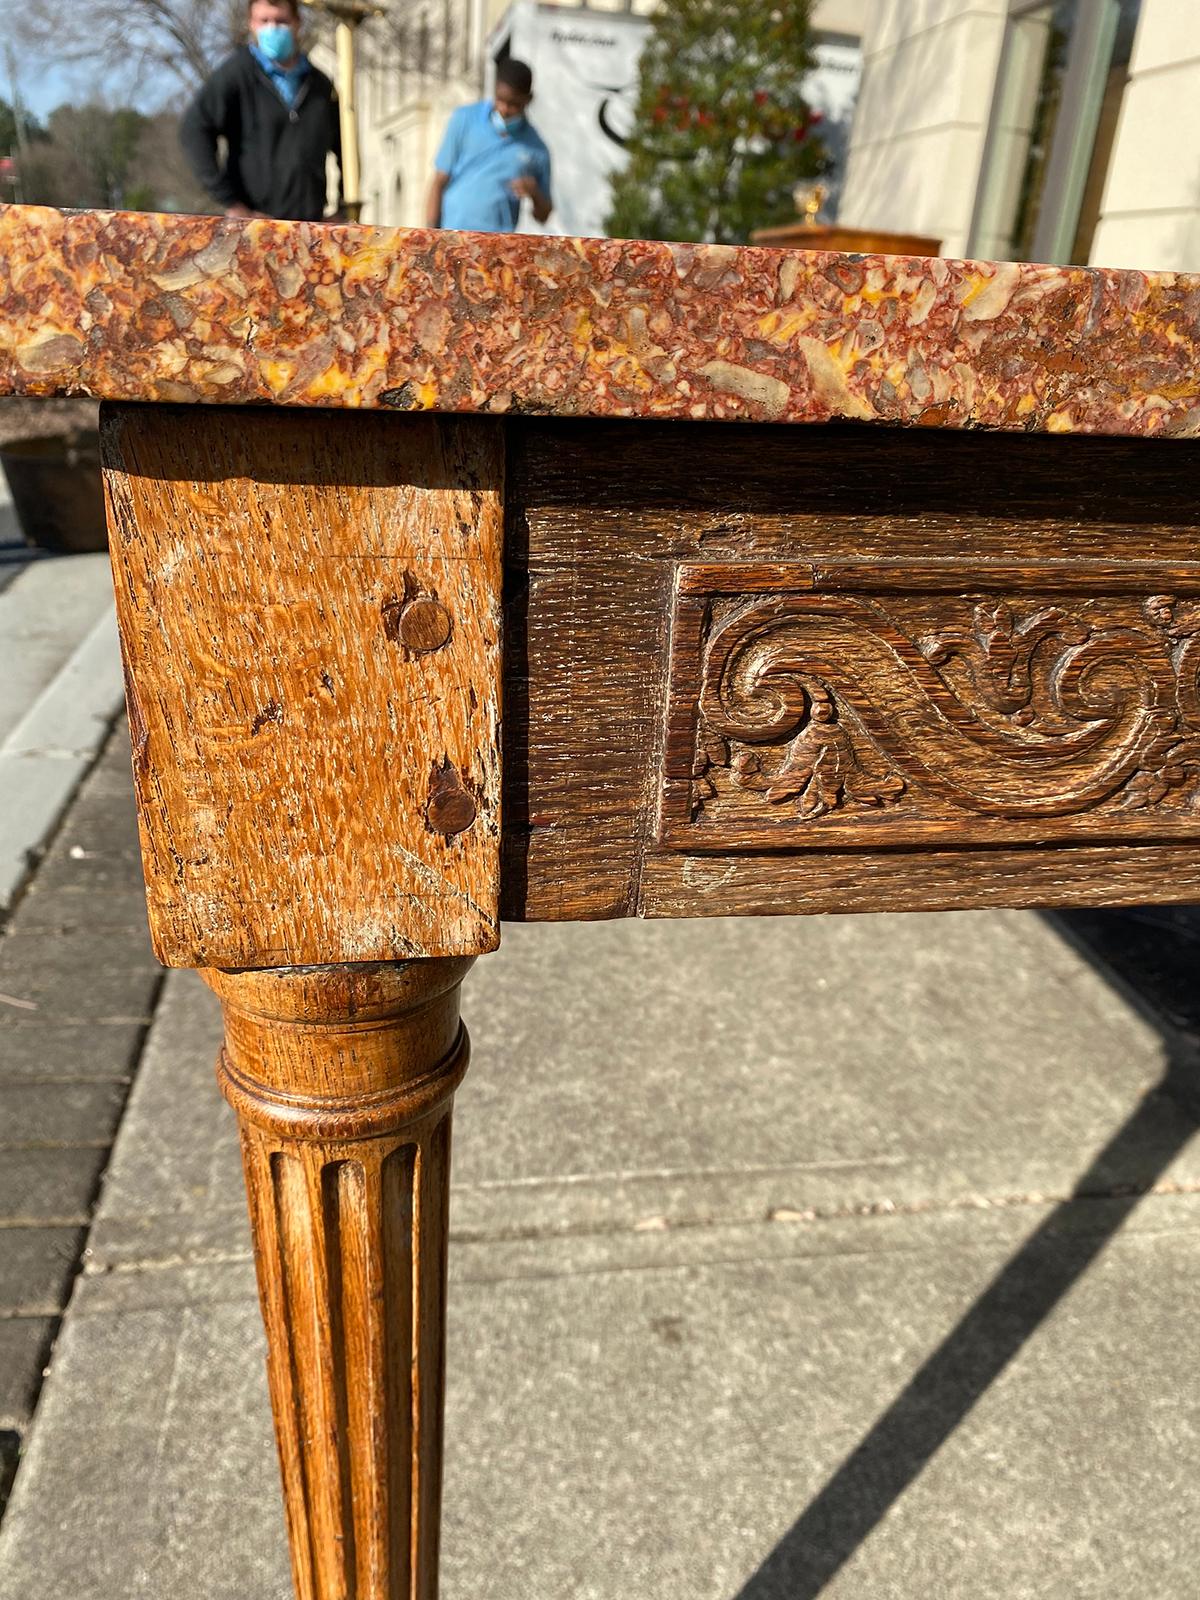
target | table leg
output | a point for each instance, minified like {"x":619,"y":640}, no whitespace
{"x":342,"y":1078}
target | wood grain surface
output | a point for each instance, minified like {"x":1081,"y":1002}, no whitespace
{"x":343,"y":1079}
{"x":309,"y":614}
{"x":980,"y":654}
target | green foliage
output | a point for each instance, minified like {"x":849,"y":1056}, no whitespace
{"x":141,"y":197}
{"x":723,"y":133}
{"x":30,"y":127}
{"x":87,"y":158}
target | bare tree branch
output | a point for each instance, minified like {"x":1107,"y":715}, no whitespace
{"x":128,"y":43}
{"x":136,"y":49}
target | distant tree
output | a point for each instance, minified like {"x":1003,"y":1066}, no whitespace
{"x":723,"y":133}
{"x":93,"y":155}
{"x":86,"y":159}
{"x":159,"y":177}
{"x":10,"y":135}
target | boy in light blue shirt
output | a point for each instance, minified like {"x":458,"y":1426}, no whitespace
{"x":491,"y":159}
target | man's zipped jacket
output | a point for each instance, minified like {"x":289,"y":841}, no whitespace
{"x":275,"y":155}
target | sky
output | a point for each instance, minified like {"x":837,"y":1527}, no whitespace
{"x":42,"y":88}
{"x":44,"y":85}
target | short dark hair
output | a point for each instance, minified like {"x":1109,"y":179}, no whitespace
{"x":292,"y":5}
{"x":515,"y":75}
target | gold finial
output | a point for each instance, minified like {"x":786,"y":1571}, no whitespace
{"x":809,"y":202}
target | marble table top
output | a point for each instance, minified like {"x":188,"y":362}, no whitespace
{"x":135,"y":306}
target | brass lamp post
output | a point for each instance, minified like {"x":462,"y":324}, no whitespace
{"x":349,"y":14}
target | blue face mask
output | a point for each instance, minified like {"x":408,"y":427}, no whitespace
{"x":506,"y":124}
{"x":277,"y":41}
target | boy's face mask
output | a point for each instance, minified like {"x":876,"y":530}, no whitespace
{"x":504,"y":124}
{"x":277,"y":41}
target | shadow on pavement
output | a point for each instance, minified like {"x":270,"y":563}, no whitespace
{"x":1151,"y":956}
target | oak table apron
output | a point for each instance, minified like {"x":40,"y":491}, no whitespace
{"x":469,"y":578}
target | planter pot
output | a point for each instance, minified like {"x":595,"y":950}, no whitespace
{"x":57,"y":490}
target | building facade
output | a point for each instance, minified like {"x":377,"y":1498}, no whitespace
{"x":1058,"y":130}
{"x":1053,"y":130}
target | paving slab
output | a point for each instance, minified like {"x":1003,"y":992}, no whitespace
{"x":811,"y":1061}
{"x":56,"y":725}
{"x":44,"y":612}
{"x":1152,"y":954}
{"x":85,"y":893}
{"x":84,"y":911}
{"x":24,"y":1351}
{"x":50,"y":1114}
{"x":64,"y":952}
{"x":38,"y":1049}
{"x":40,"y":1186}
{"x":89,"y":884}
{"x":45,"y":978}
{"x":175,"y":1173}
{"x":36,"y":1267}
{"x":76,"y":994}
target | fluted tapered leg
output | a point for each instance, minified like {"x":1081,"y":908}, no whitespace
{"x":342,"y":1079}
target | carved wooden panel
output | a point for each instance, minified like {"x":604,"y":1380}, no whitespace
{"x":600,"y":517}
{"x":804,"y":713}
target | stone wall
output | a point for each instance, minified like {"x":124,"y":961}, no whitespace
{"x":916,"y":148}
{"x":1150,"y":213}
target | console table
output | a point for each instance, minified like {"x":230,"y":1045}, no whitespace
{"x":469,"y":578}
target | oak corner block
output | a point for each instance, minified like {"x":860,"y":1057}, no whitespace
{"x":309,"y":608}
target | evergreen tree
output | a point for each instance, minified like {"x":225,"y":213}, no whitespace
{"x":11,"y":137}
{"x":723,"y":133}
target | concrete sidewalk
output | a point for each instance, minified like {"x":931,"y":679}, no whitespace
{"x":78,"y":984}
{"x":77,"y":980}
{"x":62,"y":690}
{"x":847,"y":1257}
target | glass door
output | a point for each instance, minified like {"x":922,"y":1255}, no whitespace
{"x":1063,"y":70}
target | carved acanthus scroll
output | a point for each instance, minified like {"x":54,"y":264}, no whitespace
{"x":813,"y":717}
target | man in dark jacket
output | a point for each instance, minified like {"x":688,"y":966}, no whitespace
{"x":278,"y":116}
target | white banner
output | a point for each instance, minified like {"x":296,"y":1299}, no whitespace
{"x":585,"y":79}
{"x":585,"y":71}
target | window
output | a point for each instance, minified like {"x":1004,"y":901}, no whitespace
{"x":1063,"y":71}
